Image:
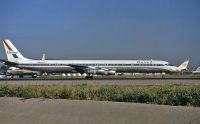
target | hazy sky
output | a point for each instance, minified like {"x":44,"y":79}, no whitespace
{"x":103,"y":29}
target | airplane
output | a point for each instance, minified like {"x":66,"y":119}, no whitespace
{"x":89,"y":67}
{"x":197,"y":71}
{"x":21,"y":72}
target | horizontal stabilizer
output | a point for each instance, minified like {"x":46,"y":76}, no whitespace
{"x":9,"y":63}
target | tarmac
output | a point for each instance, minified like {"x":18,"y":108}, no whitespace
{"x":57,"y":111}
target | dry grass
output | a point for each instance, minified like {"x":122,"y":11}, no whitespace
{"x":165,"y":95}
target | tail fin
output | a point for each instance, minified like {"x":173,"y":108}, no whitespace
{"x":184,"y":65}
{"x":11,"y":51}
{"x":43,"y":57}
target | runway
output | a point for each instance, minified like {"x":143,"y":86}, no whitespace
{"x":103,"y":82}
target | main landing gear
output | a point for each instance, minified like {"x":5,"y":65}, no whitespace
{"x":34,"y":76}
{"x":89,"y":77}
{"x":21,"y":76}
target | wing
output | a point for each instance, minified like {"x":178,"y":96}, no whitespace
{"x":93,"y":70}
{"x":82,"y":68}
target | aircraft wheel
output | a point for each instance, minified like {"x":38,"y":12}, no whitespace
{"x":34,"y":76}
{"x":21,"y":76}
{"x":89,"y":77}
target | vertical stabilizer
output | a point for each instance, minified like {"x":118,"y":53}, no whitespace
{"x":184,"y":65}
{"x":43,"y":57}
{"x":11,"y":51}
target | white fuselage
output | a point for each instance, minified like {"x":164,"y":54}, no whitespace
{"x":120,"y":66}
{"x":197,"y":71}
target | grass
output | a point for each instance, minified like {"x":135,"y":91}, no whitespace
{"x":184,"y":95}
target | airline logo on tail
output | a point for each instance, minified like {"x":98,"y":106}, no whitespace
{"x":12,"y":53}
{"x":8,"y":48}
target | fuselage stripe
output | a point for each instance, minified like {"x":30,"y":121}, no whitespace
{"x":9,"y":48}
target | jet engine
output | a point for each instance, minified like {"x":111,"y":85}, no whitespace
{"x":101,"y":71}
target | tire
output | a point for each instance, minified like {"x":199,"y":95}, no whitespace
{"x":34,"y":76}
{"x":89,"y":77}
{"x":21,"y":76}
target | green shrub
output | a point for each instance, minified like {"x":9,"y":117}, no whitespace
{"x":166,"y":95}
